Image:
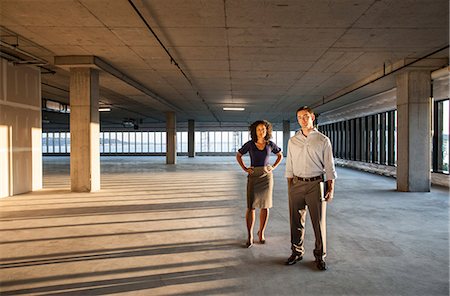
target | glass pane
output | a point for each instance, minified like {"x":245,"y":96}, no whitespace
{"x":119,"y":142}
{"x":68,"y":142}
{"x":151,"y":142}
{"x":44,"y":142}
{"x":56,"y":142}
{"x":184,"y":142}
{"x":62,"y":142}
{"x":101,"y":142}
{"x":231,"y":146}
{"x":178,"y":141}
{"x":386,"y":135}
{"x":225,"y":141}
{"x":132,"y":141}
{"x":217,"y":141}
{"x":106,"y":142}
{"x":198,"y":142}
{"x":163,"y":142}
{"x":445,"y":136}
{"x":210,"y":142}
{"x":237,"y":140}
{"x":245,"y":137}
{"x":395,"y":137}
{"x":138,"y":142}
{"x":112,"y":142}
{"x":50,"y":142}
{"x":205,"y":137}
{"x":145,"y":141}
{"x":158,"y":144}
{"x":279,"y":139}
{"x":126,"y":143}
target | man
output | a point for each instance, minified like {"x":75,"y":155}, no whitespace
{"x":309,"y":156}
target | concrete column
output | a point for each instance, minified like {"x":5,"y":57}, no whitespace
{"x":84,"y":130}
{"x":171,"y":138}
{"x":191,"y":138}
{"x":286,"y":135}
{"x":414,"y":131}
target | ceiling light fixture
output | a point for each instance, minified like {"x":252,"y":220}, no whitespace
{"x":104,"y":109}
{"x":233,"y":109}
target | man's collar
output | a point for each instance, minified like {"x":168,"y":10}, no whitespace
{"x":312,"y":131}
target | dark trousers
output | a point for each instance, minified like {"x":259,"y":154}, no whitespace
{"x":304,"y":196}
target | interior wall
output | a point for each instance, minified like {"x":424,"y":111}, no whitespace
{"x":20,"y":129}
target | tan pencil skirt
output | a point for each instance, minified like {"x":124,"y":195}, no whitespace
{"x":259,"y":189}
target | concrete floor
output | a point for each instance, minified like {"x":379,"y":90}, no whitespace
{"x":155,"y":229}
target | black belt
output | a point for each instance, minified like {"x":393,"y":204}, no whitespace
{"x":308,"y":179}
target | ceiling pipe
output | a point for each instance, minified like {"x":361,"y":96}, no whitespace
{"x":172,"y":59}
{"x":36,"y":60}
{"x":18,"y":61}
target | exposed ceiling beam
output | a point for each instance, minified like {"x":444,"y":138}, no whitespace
{"x":96,"y":62}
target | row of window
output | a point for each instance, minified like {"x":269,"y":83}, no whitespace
{"x":369,"y":139}
{"x":155,"y":142}
{"x":373,"y":138}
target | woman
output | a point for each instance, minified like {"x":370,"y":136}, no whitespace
{"x":260,"y":178}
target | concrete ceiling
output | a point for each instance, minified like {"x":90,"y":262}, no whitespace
{"x":267,"y":56}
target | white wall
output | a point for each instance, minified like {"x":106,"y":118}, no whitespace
{"x":20,"y":129}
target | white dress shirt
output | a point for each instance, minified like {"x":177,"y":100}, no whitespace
{"x":310,"y":156}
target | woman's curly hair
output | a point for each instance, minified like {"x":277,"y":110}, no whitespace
{"x":252,"y":129}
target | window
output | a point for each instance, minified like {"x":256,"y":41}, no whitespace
{"x":217,"y":142}
{"x":50,"y":143}
{"x":151,"y":142}
{"x":119,"y":142}
{"x":132,"y":142}
{"x":126,"y":144}
{"x":106,"y":142}
{"x":145,"y":142}
{"x":56,"y":144}
{"x":441,"y":137}
{"x":138,"y":142}
{"x":369,"y":139}
{"x":112,"y":142}
{"x":182,"y":142}
{"x":62,"y":142}
{"x":44,"y":142}
{"x":155,"y":142}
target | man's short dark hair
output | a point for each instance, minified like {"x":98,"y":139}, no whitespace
{"x":304,"y":108}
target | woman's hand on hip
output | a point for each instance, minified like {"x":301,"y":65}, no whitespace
{"x":268,"y":168}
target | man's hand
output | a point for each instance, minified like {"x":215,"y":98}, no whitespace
{"x":289,"y":182}
{"x":329,"y":195}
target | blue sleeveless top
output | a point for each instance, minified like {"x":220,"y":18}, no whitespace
{"x":259,"y":157}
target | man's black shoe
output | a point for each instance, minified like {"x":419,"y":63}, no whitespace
{"x":321,"y":265}
{"x":293,"y":259}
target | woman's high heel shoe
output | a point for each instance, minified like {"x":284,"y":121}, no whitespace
{"x":261,"y":240}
